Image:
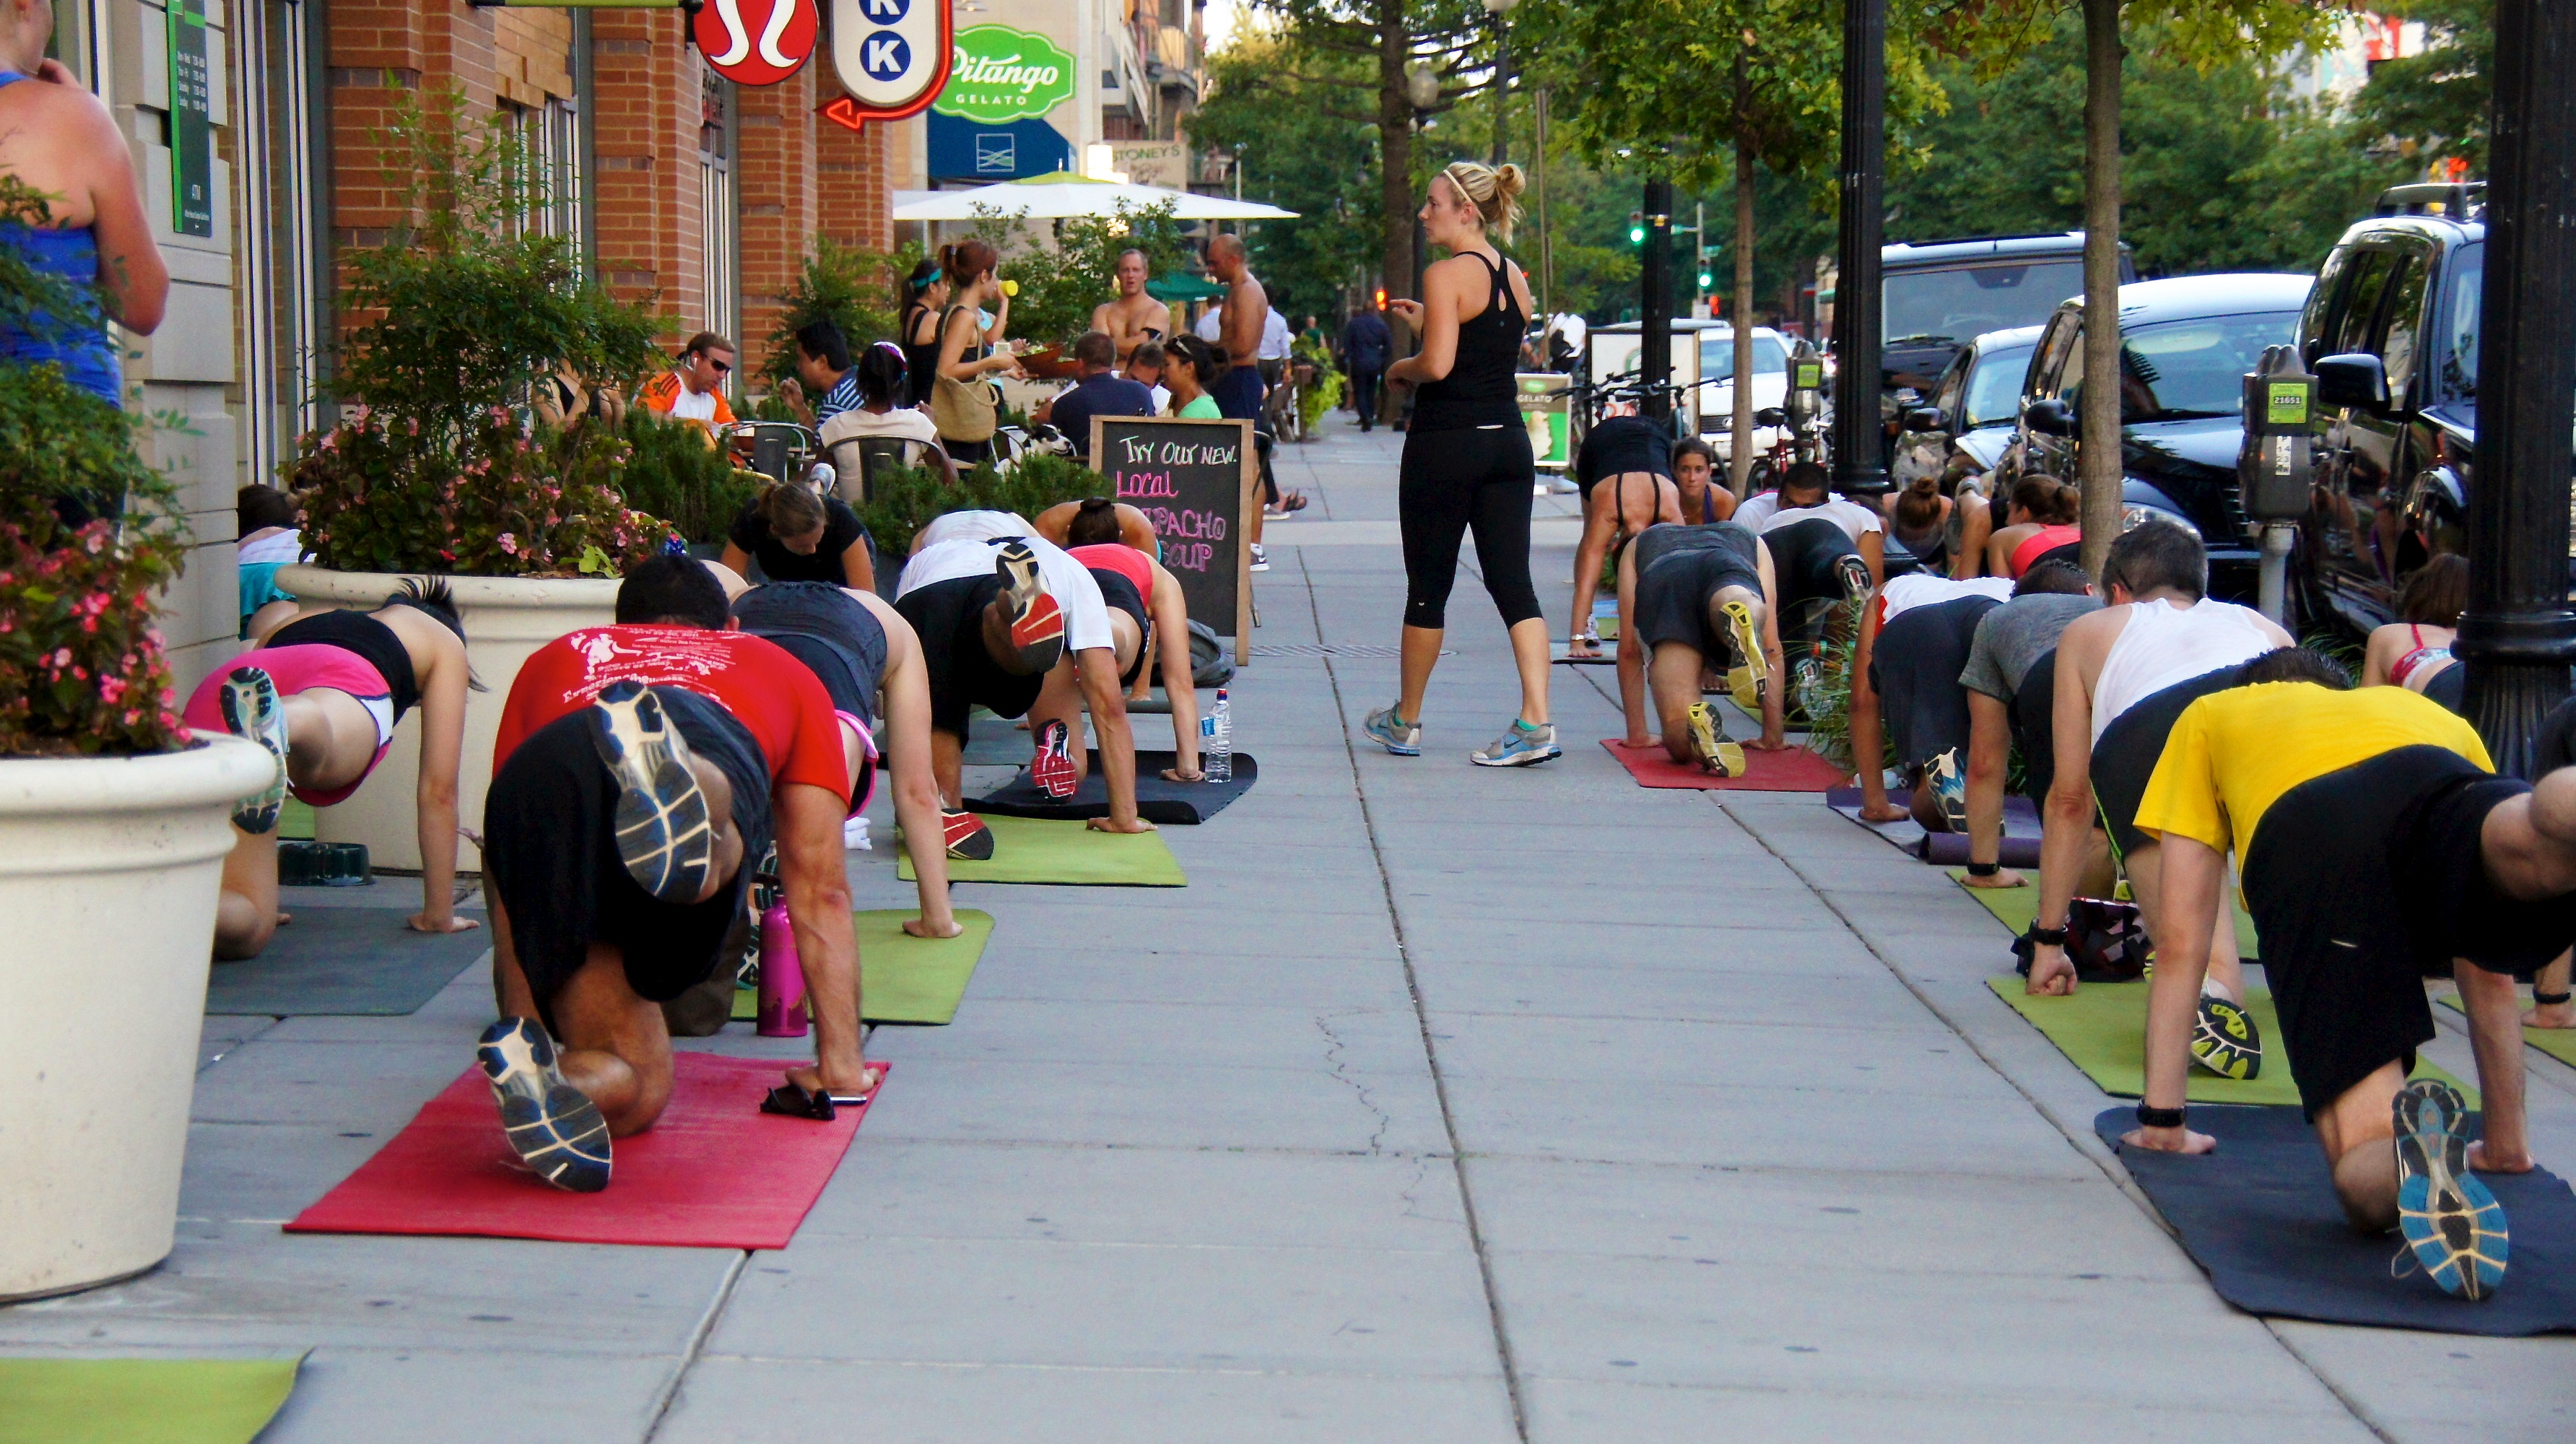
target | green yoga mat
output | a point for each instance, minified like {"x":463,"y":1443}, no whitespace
{"x":1027,"y":849}
{"x":904,"y":979}
{"x":295,"y":821}
{"x":2102,"y":1030}
{"x":141,"y":1401}
{"x":2558,"y":1043}
{"x":2018,"y":907}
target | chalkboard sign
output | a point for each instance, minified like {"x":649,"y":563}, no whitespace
{"x":1195,"y":481}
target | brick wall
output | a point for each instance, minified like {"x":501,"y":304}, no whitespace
{"x":646,"y":111}
{"x":776,"y":173}
{"x":852,"y":171}
{"x":533,"y":55}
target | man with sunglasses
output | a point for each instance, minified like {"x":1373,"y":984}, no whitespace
{"x":694,"y":390}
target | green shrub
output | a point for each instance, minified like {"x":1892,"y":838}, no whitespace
{"x":1061,"y":285}
{"x":902,"y":502}
{"x":671,"y":472}
{"x":853,"y":287}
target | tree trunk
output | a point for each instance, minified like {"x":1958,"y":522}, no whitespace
{"x":1395,"y":151}
{"x":2098,"y":467}
{"x":1740,"y":313}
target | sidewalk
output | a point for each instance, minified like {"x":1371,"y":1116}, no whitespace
{"x":1444,"y":1104}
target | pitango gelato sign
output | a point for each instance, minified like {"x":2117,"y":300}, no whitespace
{"x":1002,"y":74}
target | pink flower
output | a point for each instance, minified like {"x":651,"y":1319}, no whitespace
{"x":62,"y":657}
{"x":508,"y":543}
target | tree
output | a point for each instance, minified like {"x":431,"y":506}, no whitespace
{"x":1299,"y":152}
{"x":2437,"y":101}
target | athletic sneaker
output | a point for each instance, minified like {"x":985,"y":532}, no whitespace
{"x":1853,"y":573}
{"x":1521,"y":745}
{"x":854,"y":835}
{"x":1391,"y":732}
{"x":1260,"y":558}
{"x":664,"y":835}
{"x":253,"y":710}
{"x":1708,"y":742}
{"x":1810,"y":688}
{"x":968,"y":839}
{"x":1949,"y":784}
{"x":2224,"y":1039}
{"x":2452,"y":1223}
{"x":555,"y":1128}
{"x":1037,"y":619}
{"x":1750,"y":677}
{"x":1052,"y":768}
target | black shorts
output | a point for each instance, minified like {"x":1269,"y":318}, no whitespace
{"x":2034,"y":726}
{"x":2363,"y":882}
{"x":1914,"y":666}
{"x":949,"y":616}
{"x":1678,"y":569}
{"x":550,"y":856}
{"x":1120,"y":594}
{"x":834,"y":634}
{"x":2126,"y":754}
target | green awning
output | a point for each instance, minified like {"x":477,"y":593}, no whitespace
{"x":1172,"y":288}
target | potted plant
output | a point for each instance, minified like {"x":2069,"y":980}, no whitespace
{"x":114,"y":823}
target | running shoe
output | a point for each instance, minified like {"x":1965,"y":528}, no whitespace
{"x":1260,"y":558}
{"x":555,"y":1129}
{"x":1810,"y":688}
{"x":968,"y":839}
{"x":664,"y":835}
{"x":2224,"y":1039}
{"x":1949,"y":784}
{"x":1708,"y":742}
{"x":1037,"y":619}
{"x":2452,"y":1223}
{"x":1393,"y":733}
{"x":1750,"y":677}
{"x":1052,"y":768}
{"x":1521,"y":745}
{"x":253,"y":711}
{"x":1853,"y":573}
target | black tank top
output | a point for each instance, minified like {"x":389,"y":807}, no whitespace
{"x":1478,"y":389}
{"x":921,"y":362}
{"x":361,"y":635}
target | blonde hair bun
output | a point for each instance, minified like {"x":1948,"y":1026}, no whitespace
{"x":1494,"y":193}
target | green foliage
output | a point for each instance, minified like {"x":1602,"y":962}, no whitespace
{"x":902,"y":502}
{"x":2436,"y":102}
{"x":1063,"y":283}
{"x":1825,"y":695}
{"x":1277,"y":108}
{"x":465,"y":301}
{"x":853,"y":287}
{"x":672,"y":473}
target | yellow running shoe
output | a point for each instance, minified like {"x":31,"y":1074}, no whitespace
{"x":1709,"y":745}
{"x":1750,"y":677}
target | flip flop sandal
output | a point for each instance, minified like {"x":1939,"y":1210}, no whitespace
{"x":789,"y":1101}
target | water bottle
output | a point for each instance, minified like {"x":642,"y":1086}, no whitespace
{"x":782,"y":978}
{"x":1216,"y":741}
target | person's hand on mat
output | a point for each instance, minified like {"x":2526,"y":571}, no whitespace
{"x":1582,"y":645}
{"x":1766,"y":743}
{"x":925,"y":928}
{"x":2167,"y":1140}
{"x":2051,"y":975}
{"x":1174,"y":774}
{"x":813,"y":1080}
{"x":1883,"y":812}
{"x":1105,"y":824}
{"x":422,"y":922}
{"x":2005,"y":878}
{"x":2481,"y":1162}
{"x":283,"y":918}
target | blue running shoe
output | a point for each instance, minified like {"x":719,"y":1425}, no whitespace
{"x":1400,"y":737}
{"x":664,"y":835}
{"x":2454,"y":1225}
{"x":552,"y":1125}
{"x":253,"y":711}
{"x":1521,"y":745}
{"x":1949,"y":784}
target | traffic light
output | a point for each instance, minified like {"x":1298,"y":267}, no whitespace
{"x":1706,"y":281}
{"x":1381,"y":298}
{"x":1636,"y":228}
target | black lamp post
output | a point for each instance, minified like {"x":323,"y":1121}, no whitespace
{"x":1655,"y":303}
{"x":2518,"y":635}
{"x":1860,"y":454}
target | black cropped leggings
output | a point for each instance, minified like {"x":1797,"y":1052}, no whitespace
{"x":1455,"y":482}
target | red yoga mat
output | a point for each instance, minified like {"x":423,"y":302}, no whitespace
{"x":1796,"y":770}
{"x":714,"y":1172}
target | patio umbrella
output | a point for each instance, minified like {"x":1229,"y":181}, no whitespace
{"x":1178,"y":287}
{"x":1064,"y":194}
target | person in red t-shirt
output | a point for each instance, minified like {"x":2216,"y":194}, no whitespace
{"x":638,"y":769}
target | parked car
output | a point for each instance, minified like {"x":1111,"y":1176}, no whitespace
{"x":1974,"y":408}
{"x":1715,"y":392}
{"x":2391,"y":333}
{"x":1937,"y":296}
{"x":2185,"y":346}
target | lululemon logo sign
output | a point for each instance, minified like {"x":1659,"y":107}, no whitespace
{"x":757,"y":42}
{"x":893,"y":57}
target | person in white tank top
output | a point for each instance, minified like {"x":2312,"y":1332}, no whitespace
{"x":2160,"y":629}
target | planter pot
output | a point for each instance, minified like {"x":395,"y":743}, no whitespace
{"x":109,"y":869}
{"x":506,"y":618}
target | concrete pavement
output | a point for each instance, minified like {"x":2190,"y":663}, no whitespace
{"x":1444,"y":1104}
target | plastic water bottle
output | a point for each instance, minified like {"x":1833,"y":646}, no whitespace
{"x":782,"y":978}
{"x":1216,"y":741}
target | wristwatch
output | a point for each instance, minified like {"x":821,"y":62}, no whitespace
{"x":2048,"y":937}
{"x":2160,"y":1117}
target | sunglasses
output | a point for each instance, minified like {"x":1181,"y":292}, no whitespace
{"x":722,"y":367}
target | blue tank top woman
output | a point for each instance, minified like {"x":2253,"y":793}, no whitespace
{"x":71,"y":252}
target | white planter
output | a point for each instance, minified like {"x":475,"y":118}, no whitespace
{"x":109,"y":869}
{"x":506,"y":618}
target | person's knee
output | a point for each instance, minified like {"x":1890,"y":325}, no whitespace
{"x":243,"y":928}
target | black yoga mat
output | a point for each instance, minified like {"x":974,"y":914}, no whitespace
{"x":2260,"y":1216}
{"x":360,"y":961}
{"x":1182,"y":804}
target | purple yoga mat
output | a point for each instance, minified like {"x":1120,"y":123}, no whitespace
{"x":1947,"y":849}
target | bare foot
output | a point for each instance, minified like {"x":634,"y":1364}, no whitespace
{"x":2551,"y":1015}
{"x":1104,"y":824}
{"x":2005,"y":878}
{"x":1641,"y":740}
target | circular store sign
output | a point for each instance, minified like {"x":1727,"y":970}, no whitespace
{"x":1001,"y":74}
{"x":757,"y":42}
{"x":892,"y":56}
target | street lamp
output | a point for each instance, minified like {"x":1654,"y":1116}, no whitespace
{"x":1860,"y":454}
{"x":1502,"y":74}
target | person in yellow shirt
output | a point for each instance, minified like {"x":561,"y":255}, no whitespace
{"x":2376,"y":848}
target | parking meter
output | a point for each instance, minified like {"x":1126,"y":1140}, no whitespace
{"x":1806,"y":384}
{"x":2275,"y":461}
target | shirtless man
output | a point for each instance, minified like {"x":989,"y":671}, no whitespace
{"x":1245,"y":314}
{"x":1134,"y":316}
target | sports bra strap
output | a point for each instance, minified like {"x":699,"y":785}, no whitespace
{"x":12,"y":77}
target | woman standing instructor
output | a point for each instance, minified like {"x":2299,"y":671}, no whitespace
{"x":1467,"y":462}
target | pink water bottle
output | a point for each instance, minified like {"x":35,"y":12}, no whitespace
{"x":782,"y":978}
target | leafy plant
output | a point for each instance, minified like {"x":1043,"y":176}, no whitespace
{"x":902,"y":502}
{"x":1061,"y":285}
{"x":671,"y":472}
{"x":853,"y":287}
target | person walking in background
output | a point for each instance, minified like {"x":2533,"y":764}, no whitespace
{"x":1467,"y":459}
{"x":1367,"y":345}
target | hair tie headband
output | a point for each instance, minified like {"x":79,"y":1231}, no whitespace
{"x":891,"y":349}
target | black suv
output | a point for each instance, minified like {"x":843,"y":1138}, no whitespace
{"x":2391,"y":332}
{"x":2185,"y":345}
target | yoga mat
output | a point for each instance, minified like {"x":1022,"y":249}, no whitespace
{"x":295,"y":821}
{"x":904,"y":979}
{"x":1158,"y":800}
{"x":2102,"y":1030}
{"x":2259,"y":1214}
{"x":2020,"y":842}
{"x":2018,"y":907}
{"x":1034,"y":850}
{"x":2558,"y":1043}
{"x":355,"y":961}
{"x":1609,"y":657}
{"x":714,"y":1172}
{"x":997,"y":742}
{"x":141,"y":1401}
{"x":1796,"y":770}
